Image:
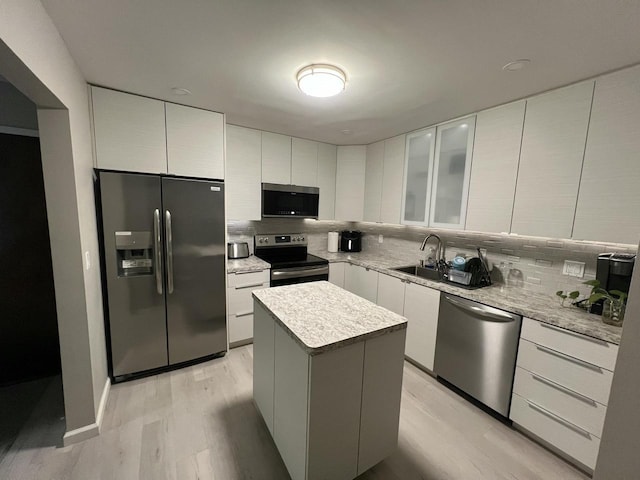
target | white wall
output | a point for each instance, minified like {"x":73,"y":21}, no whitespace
{"x":34,"y":58}
{"x":618,"y":457}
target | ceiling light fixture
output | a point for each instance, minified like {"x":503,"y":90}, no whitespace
{"x":516,"y":65}
{"x":180,"y":91}
{"x":321,"y":80}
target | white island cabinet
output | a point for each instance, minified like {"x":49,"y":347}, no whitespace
{"x":327,"y":378}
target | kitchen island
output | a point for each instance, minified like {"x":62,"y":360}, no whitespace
{"x":327,"y":378}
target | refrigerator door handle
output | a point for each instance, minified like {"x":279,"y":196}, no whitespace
{"x":169,"y":247}
{"x":157,"y":250}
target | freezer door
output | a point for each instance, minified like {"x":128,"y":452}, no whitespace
{"x":195,"y":259}
{"x":131,"y":207}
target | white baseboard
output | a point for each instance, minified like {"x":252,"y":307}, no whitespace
{"x":81,"y":434}
{"x":93,"y":429}
{"x":103,"y":403}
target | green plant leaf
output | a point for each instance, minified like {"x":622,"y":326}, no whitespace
{"x":559,"y":293}
{"x":573,"y":295}
{"x":592,"y":283}
{"x":596,"y":296}
{"x":621,"y":295}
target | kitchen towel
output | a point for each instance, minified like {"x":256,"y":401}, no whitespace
{"x":332,"y":242}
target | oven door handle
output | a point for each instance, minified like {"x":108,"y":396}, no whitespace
{"x":298,"y":272}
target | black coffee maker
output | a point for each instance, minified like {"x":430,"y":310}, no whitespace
{"x":350,"y":241}
{"x":614,"y":271}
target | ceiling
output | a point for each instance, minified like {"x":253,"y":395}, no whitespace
{"x":409,"y":63}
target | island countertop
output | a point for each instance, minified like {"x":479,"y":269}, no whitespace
{"x":321,"y":316}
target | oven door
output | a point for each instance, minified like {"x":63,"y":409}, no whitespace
{"x":289,"y":276}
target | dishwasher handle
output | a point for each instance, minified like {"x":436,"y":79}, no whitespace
{"x":481,"y":310}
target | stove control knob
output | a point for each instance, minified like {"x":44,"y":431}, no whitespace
{"x":266,"y":240}
{"x":260,"y":240}
{"x":302,"y":238}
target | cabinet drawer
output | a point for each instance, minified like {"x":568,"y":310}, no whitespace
{"x":573,"y":373}
{"x":573,"y":406}
{"x":593,"y":350}
{"x":240,"y":300}
{"x":240,"y":328}
{"x":570,"y":439}
{"x":246,"y":280}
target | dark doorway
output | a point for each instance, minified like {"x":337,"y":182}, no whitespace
{"x":29,"y":345}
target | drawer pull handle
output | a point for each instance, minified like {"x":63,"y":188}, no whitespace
{"x":248,"y":285}
{"x":573,"y":334}
{"x":569,"y":358}
{"x":564,"y":389}
{"x":244,"y":314}
{"x":560,"y":420}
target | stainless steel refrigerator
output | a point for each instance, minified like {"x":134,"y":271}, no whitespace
{"x":163,"y":253}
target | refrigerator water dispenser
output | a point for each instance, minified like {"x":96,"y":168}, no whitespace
{"x":134,"y":253}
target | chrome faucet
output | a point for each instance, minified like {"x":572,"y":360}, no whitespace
{"x":438,"y":248}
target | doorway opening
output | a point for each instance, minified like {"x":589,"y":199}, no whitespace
{"x":30,"y":378}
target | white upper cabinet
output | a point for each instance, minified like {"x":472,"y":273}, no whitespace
{"x":418,"y":171}
{"x":451,"y":171}
{"x":393,"y":169}
{"x":553,"y":142}
{"x":373,"y":181}
{"x":327,"y":158}
{"x":276,"y":158}
{"x":129,"y":132}
{"x":195,"y":142}
{"x":496,"y":153}
{"x":244,"y":172}
{"x":609,"y":197}
{"x":350,"y":183}
{"x":304,"y":162}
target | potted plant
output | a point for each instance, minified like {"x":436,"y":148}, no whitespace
{"x":614,"y":303}
{"x":613,"y":306}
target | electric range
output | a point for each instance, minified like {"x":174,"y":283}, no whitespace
{"x":290,"y":262}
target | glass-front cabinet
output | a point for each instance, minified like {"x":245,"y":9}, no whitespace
{"x":419,"y":154}
{"x":437,"y":170}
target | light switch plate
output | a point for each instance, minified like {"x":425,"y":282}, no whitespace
{"x":380,"y":238}
{"x":573,"y":269}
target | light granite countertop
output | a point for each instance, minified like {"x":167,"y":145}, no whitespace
{"x":321,"y":316}
{"x":544,"y":308}
{"x":249,"y":264}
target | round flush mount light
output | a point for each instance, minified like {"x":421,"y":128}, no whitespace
{"x":180,"y":91}
{"x":516,"y":65}
{"x":321,"y":80}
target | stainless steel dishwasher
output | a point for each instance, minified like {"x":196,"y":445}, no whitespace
{"x":476,"y":348}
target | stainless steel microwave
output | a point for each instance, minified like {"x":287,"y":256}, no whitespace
{"x":289,"y":201}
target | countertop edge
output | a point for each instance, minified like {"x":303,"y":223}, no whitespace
{"x":312,"y":351}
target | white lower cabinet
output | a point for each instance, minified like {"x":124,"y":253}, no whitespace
{"x":391,"y":293}
{"x":336,"y":273}
{"x":361,"y":281}
{"x":240,"y":304}
{"x":421,"y":307}
{"x":561,"y":389}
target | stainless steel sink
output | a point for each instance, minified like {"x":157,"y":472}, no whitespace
{"x":422,"y":272}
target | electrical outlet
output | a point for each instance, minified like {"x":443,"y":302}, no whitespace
{"x":573,"y":269}
{"x":380,"y":238}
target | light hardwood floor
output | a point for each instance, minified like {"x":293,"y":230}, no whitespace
{"x":200,"y":423}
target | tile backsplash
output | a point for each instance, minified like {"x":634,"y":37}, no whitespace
{"x":533,"y":263}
